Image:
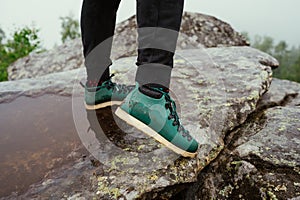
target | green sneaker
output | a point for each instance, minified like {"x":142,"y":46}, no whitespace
{"x":107,"y":94}
{"x":157,"y":117}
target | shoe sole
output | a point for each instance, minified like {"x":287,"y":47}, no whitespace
{"x":150,"y":132}
{"x":102,"y":105}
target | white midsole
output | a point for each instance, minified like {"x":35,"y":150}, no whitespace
{"x":149,"y":131}
{"x":102,"y":105}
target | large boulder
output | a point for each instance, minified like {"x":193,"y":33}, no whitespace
{"x":216,"y":91}
{"x":197,"y":30}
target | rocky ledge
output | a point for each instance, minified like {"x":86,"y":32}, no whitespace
{"x":248,"y":133}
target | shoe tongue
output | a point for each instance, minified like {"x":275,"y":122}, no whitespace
{"x":151,"y":90}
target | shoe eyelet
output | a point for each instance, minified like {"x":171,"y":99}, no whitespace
{"x":166,"y":106}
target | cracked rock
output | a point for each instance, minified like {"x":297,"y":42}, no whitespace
{"x":261,"y":158}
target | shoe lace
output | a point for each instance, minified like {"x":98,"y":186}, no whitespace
{"x":108,"y":84}
{"x":171,"y":105}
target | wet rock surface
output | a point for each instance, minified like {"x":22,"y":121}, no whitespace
{"x":217,"y":91}
{"x":34,"y":142}
{"x":198,"y":30}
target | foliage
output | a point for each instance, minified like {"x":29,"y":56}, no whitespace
{"x":265,"y":43}
{"x":70,"y":28}
{"x":289,"y":58}
{"x":23,"y":42}
{"x":2,"y":35}
{"x":246,"y":35}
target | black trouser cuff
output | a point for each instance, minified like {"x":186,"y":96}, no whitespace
{"x":99,"y":73}
{"x":153,"y":73}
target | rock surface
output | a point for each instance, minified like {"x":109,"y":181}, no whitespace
{"x":197,"y":30}
{"x":224,"y":86}
{"x":261,"y":159}
{"x":210,"y":31}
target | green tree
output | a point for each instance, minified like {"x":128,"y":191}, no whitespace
{"x":3,"y":72}
{"x":281,"y":48}
{"x":265,"y":43}
{"x":2,"y":35}
{"x":289,"y":58}
{"x":23,"y":42}
{"x":281,"y":53}
{"x":296,"y":70}
{"x":246,"y":35}
{"x":70,"y":28}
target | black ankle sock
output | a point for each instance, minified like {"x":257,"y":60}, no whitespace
{"x":93,"y":83}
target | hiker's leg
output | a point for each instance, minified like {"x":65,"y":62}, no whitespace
{"x":157,"y":44}
{"x":98,"y":19}
{"x":150,"y":107}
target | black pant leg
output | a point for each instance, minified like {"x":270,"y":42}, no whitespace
{"x":158,"y":26}
{"x":98,"y":19}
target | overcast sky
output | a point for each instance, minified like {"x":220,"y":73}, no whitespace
{"x":279,"y":19}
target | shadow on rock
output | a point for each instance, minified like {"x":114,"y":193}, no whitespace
{"x":103,"y":123}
